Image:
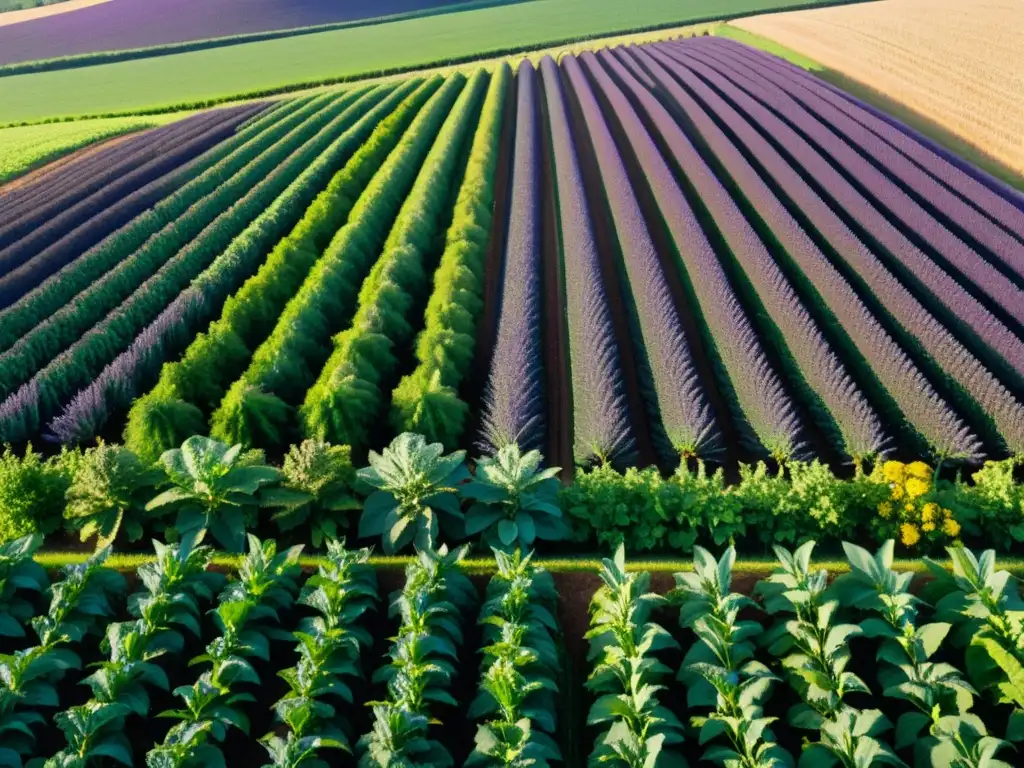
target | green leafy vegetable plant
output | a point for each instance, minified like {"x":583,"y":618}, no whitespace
{"x":214,"y":488}
{"x":421,"y":663}
{"x":245,"y":616}
{"x":520,"y":667}
{"x":516,"y":501}
{"x":627,"y":674}
{"x":720,"y":669}
{"x":416,"y":488}
{"x":31,"y":493}
{"x":21,"y":579}
{"x":108,"y":493}
{"x":329,"y":648}
{"x":315,"y":489}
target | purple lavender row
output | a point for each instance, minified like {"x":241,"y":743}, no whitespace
{"x":947,"y":291}
{"x":600,"y":421}
{"x":681,"y":405}
{"x":935,"y":340}
{"x":122,"y":160}
{"x":81,"y":226}
{"x":116,"y":386}
{"x":924,"y":410}
{"x":845,"y":409}
{"x":843,"y":137}
{"x":762,"y":401}
{"x":514,"y":409}
{"x":994,"y":238}
{"x":988,"y":202}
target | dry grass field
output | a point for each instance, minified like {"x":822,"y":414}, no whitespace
{"x":958,"y":64}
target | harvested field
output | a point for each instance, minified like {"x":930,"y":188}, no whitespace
{"x":120,"y":24}
{"x":903,"y":49}
{"x":18,"y":11}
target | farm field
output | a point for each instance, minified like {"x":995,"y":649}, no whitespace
{"x":347,"y":53}
{"x":721,"y":309}
{"x":120,"y":24}
{"x":27,"y":147}
{"x":475,"y":667}
{"x":901,"y":49}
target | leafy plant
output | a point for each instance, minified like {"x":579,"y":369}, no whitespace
{"x":94,"y":731}
{"x":245,"y":616}
{"x":31,"y":493}
{"x":849,"y":740}
{"x":814,"y":648}
{"x":108,"y":492}
{"x":329,"y":649}
{"x":720,"y":669}
{"x":516,"y":500}
{"x":416,"y":487}
{"x":422,"y":662}
{"x":315,"y":486}
{"x":21,"y":577}
{"x":214,"y":489}
{"x":627,"y":673}
{"x":520,"y":667}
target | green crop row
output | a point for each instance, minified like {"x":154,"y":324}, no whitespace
{"x":347,"y":398}
{"x":259,"y":402}
{"x":427,"y":400}
{"x":194,"y":385}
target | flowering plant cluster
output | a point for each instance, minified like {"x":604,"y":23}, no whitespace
{"x":912,"y":511}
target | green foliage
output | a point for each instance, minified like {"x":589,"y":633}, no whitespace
{"x":257,"y":408}
{"x":108,"y":493}
{"x":850,"y":741}
{"x":31,"y":493}
{"x":645,"y":511}
{"x":330,"y":645}
{"x":427,"y":400}
{"x":627,"y":674}
{"x":21,"y":580}
{"x":720,"y":669}
{"x":79,"y":605}
{"x":422,"y":663}
{"x":94,"y":731}
{"x":992,"y":504}
{"x":520,"y":668}
{"x":203,"y":375}
{"x":348,"y":398}
{"x":812,"y":644}
{"x":246,"y":616}
{"x":415,"y":491}
{"x":214,"y":488}
{"x":516,"y":502}
{"x":316,"y":483}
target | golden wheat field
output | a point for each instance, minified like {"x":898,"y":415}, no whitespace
{"x":958,"y":63}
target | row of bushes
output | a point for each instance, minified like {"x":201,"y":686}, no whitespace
{"x":349,"y":395}
{"x":257,"y":407}
{"x":263,"y":218}
{"x":411,"y":493}
{"x":195,"y":385}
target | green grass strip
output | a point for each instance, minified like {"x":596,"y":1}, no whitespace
{"x":483,"y":565}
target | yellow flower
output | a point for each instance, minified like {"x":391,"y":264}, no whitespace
{"x":946,"y":513}
{"x":893,"y":471}
{"x":909,"y":534}
{"x":928,"y":527}
{"x":885,"y":509}
{"x":908,"y":507}
{"x":897,"y":492}
{"x":916,"y":487}
{"x":930,"y":512}
{"x":919,"y":470}
{"x":951,"y":527}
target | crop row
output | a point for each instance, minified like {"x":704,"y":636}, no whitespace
{"x":855,"y":670}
